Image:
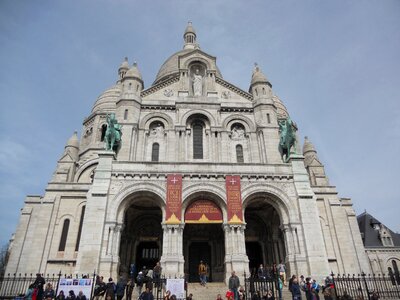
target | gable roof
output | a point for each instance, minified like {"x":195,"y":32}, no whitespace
{"x":370,"y":236}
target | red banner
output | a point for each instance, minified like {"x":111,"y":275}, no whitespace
{"x":203,"y":211}
{"x":234,"y":199}
{"x":174,"y":199}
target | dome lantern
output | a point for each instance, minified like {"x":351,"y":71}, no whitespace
{"x":190,"y":37}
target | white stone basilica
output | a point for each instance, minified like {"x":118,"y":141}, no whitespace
{"x":197,"y":175}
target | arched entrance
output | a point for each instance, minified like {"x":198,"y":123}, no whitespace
{"x":203,"y":240}
{"x":141,"y":239}
{"x":264,"y":238}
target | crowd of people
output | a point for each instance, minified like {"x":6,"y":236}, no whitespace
{"x":149,"y":279}
{"x":39,"y":290}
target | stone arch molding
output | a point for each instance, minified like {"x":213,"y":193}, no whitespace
{"x":280,"y":200}
{"x":209,"y":188}
{"x":187,"y":115}
{"x":236,"y":118}
{"x":121,"y":202}
{"x":83,"y":168}
{"x":157,"y":116}
{"x":389,"y":261}
{"x":188,"y":62}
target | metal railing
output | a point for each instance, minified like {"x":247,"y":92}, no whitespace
{"x":363,"y":286}
{"x":16,"y":285}
{"x":254,"y":284}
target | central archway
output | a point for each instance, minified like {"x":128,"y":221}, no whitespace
{"x":203,"y":239}
{"x":141,"y":238}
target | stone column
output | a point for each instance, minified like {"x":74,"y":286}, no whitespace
{"x":235,"y":251}
{"x":311,"y":228}
{"x":290,"y":248}
{"x":93,"y":227}
{"x":172,"y":259}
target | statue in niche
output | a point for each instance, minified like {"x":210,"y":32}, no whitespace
{"x":157,"y":130}
{"x":237,"y":132}
{"x":197,"y":83}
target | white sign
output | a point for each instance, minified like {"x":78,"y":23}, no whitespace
{"x":176,"y":287}
{"x":76,"y":285}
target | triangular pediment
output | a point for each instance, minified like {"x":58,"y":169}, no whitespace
{"x":197,"y":53}
{"x":66,"y":157}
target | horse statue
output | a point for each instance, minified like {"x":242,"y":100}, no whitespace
{"x":113,"y":134}
{"x":287,"y":130}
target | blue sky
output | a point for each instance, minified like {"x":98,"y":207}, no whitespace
{"x":335,"y":65}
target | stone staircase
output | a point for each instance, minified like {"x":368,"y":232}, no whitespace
{"x":208,"y":292}
{"x":212,"y":289}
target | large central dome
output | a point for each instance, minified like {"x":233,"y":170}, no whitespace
{"x":171,"y":67}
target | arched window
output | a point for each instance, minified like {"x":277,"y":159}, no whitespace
{"x":103,"y":132}
{"x":396,"y":271}
{"x":197,"y":140}
{"x":126,"y":114}
{"x":239,"y":154}
{"x":64,"y":235}
{"x":155,"y":152}
{"x":78,"y":239}
{"x":391,"y":275}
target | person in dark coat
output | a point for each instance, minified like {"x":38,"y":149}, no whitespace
{"x":121,"y":285}
{"x":234,"y":284}
{"x":80,"y":296}
{"x":295,"y":288}
{"x":71,"y":295}
{"x":110,"y":289}
{"x":146,"y":295}
{"x":39,"y":285}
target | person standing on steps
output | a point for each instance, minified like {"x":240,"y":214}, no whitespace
{"x":203,"y":273}
{"x":234,"y":284}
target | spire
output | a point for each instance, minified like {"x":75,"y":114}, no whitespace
{"x":73,"y":141}
{"x":260,"y":87}
{"x":123,"y":68}
{"x":308,"y":147}
{"x":190,"y":37}
{"x":258,"y":76}
{"x":134,"y":72}
{"x":72,"y":146}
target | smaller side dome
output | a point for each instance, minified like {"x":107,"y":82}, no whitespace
{"x":123,"y":68}
{"x":308,"y":146}
{"x":108,"y":99}
{"x":124,"y":65}
{"x":280,"y":108}
{"x":73,"y":140}
{"x":134,"y":72}
{"x":258,"y":76}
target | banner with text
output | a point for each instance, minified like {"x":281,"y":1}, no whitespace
{"x":174,"y":199}
{"x":234,"y":199}
{"x":203,"y":211}
{"x":76,"y":285}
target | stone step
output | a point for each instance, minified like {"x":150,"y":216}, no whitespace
{"x":208,"y":292}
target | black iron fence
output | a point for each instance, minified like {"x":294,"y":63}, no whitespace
{"x":262,"y":286}
{"x":16,"y":285}
{"x":13,"y":286}
{"x":363,"y":286}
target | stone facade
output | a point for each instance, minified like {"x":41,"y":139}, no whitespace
{"x":291,"y":212}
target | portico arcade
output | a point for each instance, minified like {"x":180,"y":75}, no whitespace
{"x":146,"y":239}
